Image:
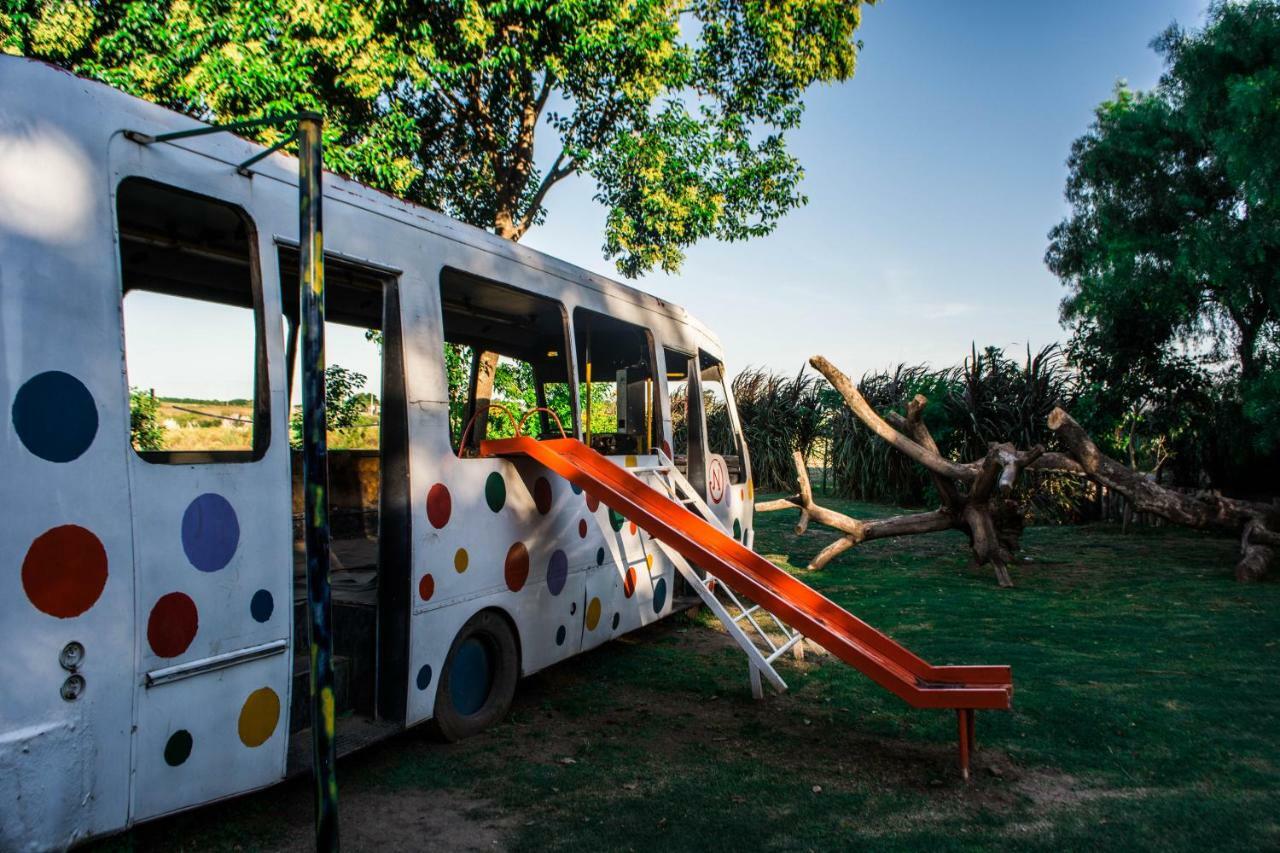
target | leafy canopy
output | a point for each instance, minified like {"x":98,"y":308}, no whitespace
{"x":677,"y":111}
{"x":1172,"y":246}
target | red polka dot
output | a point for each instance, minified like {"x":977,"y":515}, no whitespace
{"x":542,"y":495}
{"x":592,"y":503}
{"x":629,"y":582}
{"x":64,"y":571}
{"x":172,"y":625}
{"x":516,"y":567}
{"x":439,"y":505}
{"x":582,"y":528}
{"x":426,"y":587}
{"x":632,"y":528}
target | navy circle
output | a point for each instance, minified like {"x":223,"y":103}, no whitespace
{"x":560,"y":634}
{"x":177,"y":749}
{"x":424,"y":677}
{"x":617,"y":617}
{"x":557,"y":572}
{"x":210,"y":532}
{"x":55,"y":416}
{"x":599,"y":556}
{"x":577,"y":490}
{"x":262,"y":605}
{"x":659,"y":595}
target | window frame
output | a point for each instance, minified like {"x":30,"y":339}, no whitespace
{"x":571,"y":429}
{"x":262,"y":423}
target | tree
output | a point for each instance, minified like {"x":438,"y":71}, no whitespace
{"x":678,"y":111}
{"x":1171,"y":253}
{"x":145,"y":428}
{"x":977,"y":497}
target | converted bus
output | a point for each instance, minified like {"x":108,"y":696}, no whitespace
{"x":152,"y":600}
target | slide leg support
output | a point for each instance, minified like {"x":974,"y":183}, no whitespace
{"x":965,"y":726}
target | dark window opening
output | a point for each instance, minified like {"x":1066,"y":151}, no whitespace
{"x":680,"y":366}
{"x":195,"y":350}
{"x":721,"y":421}
{"x":506,"y":355}
{"x":616,"y":369}
{"x":368,"y":502}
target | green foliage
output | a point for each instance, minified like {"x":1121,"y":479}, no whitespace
{"x":145,"y":429}
{"x":1171,"y":253}
{"x":779,"y":416}
{"x":677,"y":111}
{"x":345,"y":403}
{"x":990,"y":397}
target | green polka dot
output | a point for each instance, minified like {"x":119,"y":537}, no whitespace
{"x":737,"y":529}
{"x":615,"y":520}
{"x":495,"y":491}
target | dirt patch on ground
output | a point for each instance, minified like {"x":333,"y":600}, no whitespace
{"x":378,"y":819}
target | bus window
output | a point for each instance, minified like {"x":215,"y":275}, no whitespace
{"x":616,"y":373}
{"x":193,"y":327}
{"x":721,"y":420}
{"x":679,"y":367}
{"x":505,"y":351}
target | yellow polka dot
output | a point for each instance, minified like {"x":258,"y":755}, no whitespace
{"x":258,"y":717}
{"x":460,"y":560}
{"x":630,"y":462}
{"x":751,"y":490}
{"x":648,"y":558}
{"x":593,"y":614}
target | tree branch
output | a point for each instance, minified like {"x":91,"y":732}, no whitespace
{"x":907,"y":446}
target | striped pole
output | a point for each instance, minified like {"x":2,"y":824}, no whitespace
{"x":315,"y":478}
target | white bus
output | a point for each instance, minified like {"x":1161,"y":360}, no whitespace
{"x":151,"y":600}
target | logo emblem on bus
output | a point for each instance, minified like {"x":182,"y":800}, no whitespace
{"x":717,"y":478}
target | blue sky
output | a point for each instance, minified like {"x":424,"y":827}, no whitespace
{"x":933,"y":178}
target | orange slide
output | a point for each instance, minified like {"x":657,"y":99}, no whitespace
{"x":964,"y":688}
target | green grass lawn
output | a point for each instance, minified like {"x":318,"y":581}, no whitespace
{"x":1146,"y":715}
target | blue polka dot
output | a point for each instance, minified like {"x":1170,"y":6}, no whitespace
{"x":557,"y":572}
{"x":599,"y":556}
{"x":424,"y":677}
{"x":577,"y":490}
{"x":55,"y":417}
{"x":560,"y":635}
{"x":262,"y":605}
{"x":617,"y":617}
{"x":659,"y":595}
{"x":210,"y":532}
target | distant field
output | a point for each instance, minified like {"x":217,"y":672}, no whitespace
{"x":223,"y":425}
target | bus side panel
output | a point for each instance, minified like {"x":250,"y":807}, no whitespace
{"x":567,"y":573}
{"x":66,"y":550}
{"x":221,"y":729}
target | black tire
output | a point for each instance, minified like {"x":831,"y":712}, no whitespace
{"x":463,"y":712}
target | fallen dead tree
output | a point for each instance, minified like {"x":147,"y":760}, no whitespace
{"x":977,"y":496}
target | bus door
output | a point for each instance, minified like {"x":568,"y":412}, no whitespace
{"x":209,"y":476}
{"x":707,"y":440}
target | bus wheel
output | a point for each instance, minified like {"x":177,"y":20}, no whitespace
{"x":479,"y":678}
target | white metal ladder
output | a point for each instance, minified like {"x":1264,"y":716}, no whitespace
{"x":739,"y":619}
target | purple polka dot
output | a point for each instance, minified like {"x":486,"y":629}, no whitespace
{"x":210,"y":532}
{"x":557,"y":572}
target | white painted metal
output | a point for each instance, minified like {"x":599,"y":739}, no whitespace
{"x":70,"y":770}
{"x":707,"y":585}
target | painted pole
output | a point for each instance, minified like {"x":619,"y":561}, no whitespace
{"x":315,"y":478}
